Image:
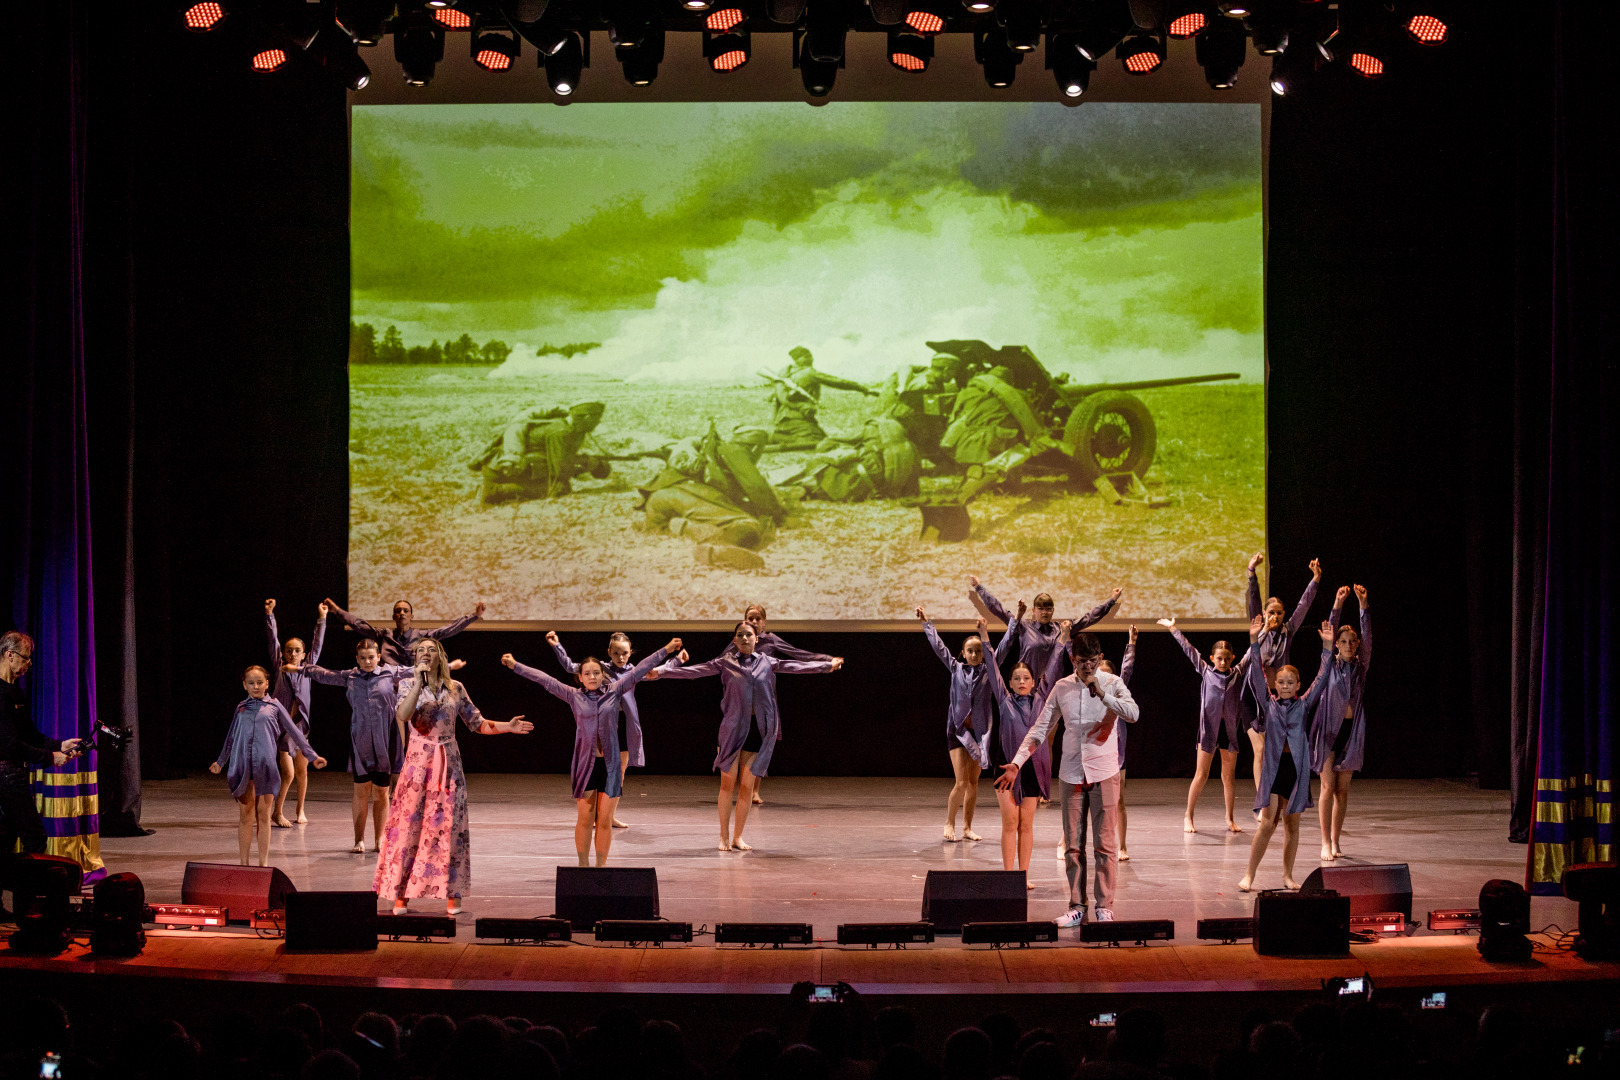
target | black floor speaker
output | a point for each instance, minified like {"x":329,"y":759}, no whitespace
{"x":331,"y":921}
{"x":1301,"y":924}
{"x":588,"y":894}
{"x":241,"y":889}
{"x":1373,"y":890}
{"x":954,"y":897}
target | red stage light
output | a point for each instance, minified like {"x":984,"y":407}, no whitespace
{"x":907,"y":62}
{"x":721,"y":21}
{"x":925,"y":22}
{"x":269,"y":60}
{"x":729,"y":60}
{"x":1188,"y":25}
{"x":451,"y":19}
{"x":1141,"y":63}
{"x":1426,"y":29}
{"x":203,"y":17}
{"x":493,"y":60}
{"x":1370,"y":66}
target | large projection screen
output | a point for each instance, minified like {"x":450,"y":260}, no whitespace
{"x":519,"y":269}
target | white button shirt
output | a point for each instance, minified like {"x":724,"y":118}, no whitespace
{"x":1091,"y":748}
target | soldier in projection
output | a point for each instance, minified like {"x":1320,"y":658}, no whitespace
{"x":710,"y":490}
{"x":920,"y":398}
{"x":796,"y":398}
{"x":993,"y":430}
{"x":537,"y":455}
{"x":882,"y":464}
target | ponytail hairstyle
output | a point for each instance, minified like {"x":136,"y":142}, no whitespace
{"x":251,"y":668}
{"x":579,"y":672}
{"x":1355,"y":636}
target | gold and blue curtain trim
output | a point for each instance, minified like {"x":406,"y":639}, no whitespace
{"x":1573,"y":824}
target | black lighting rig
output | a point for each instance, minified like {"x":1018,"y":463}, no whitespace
{"x":1292,"y":42}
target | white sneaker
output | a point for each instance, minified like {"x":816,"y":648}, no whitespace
{"x":1073,"y":917}
{"x":1104,"y":915}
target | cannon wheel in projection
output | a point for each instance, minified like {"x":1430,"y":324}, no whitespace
{"x":1111,"y":432}
{"x":745,"y":476}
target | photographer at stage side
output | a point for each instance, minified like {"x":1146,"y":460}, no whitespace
{"x":22,"y":749}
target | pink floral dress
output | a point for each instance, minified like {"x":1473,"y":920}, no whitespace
{"x":426,"y":849}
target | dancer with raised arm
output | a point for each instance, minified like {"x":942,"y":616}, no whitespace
{"x":1274,"y":642}
{"x":1090,"y":704}
{"x":396,"y":641}
{"x":1019,"y":700}
{"x":772,"y":645}
{"x":749,"y":721}
{"x":1340,"y":734}
{"x":1127,"y":666}
{"x":1040,"y":634}
{"x":598,"y":707}
{"x":291,"y":688}
{"x":1219,"y":681}
{"x":427,"y":848}
{"x":376,"y":735}
{"x":631,"y":751}
{"x":1283,"y":791}
{"x":967,"y":724}
{"x":249,"y":759}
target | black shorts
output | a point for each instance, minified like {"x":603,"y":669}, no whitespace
{"x":378,"y":778}
{"x":1287,"y":777}
{"x":599,"y":776}
{"x":1222,"y":740}
{"x":1342,"y":739}
{"x":624,"y":732}
{"x":755,"y":741}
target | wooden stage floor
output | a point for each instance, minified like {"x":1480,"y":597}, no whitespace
{"x":831,"y":850}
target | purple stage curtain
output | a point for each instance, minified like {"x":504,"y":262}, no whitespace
{"x":1574,"y":780}
{"x":46,"y":490}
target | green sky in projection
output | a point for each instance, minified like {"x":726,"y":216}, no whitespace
{"x":1113,"y":229}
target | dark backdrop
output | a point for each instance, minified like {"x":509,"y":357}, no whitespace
{"x":219,"y":272}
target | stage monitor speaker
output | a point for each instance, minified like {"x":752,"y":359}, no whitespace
{"x":241,"y":889}
{"x":1373,"y":890}
{"x":952,"y":898}
{"x":586,"y":895}
{"x":331,"y":921}
{"x":1301,"y":924}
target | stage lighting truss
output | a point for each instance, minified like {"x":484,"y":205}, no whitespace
{"x":910,"y":52}
{"x":998,"y":59}
{"x":1071,"y":70}
{"x":201,"y":18}
{"x":1141,"y":54}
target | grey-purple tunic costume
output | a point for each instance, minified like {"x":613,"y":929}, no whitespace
{"x":1217,"y":697}
{"x":292,"y":688}
{"x":396,"y":646}
{"x":374,"y":745}
{"x":747,"y":699}
{"x":1017,"y":713}
{"x":1127,"y":667}
{"x":1347,"y":681}
{"x":772,"y":645}
{"x":1284,"y":723}
{"x":1038,"y":639}
{"x":967,"y":719}
{"x":249,"y":754}
{"x":1274,"y":644}
{"x":627,"y":705}
{"x":596,"y":720}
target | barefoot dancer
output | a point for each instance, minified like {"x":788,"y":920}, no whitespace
{"x":597,"y":704}
{"x":772,"y":645}
{"x":1219,"y":680}
{"x":967,"y":726}
{"x":1274,"y":642}
{"x":248,"y":760}
{"x":1126,"y":666}
{"x":376,"y":741}
{"x":631,"y":751}
{"x":292,"y":690}
{"x":1340,"y":735}
{"x":749,"y":721}
{"x":1284,"y":788}
{"x":1019,"y":701}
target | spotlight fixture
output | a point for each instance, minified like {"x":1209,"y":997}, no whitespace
{"x":641,"y":61}
{"x":494,"y":50}
{"x":1184,"y":20}
{"x":1141,"y":53}
{"x":909,"y":52}
{"x":201,"y":18}
{"x":695,"y":5}
{"x":1071,"y":70}
{"x":267,"y":60}
{"x":897,"y":934}
{"x":1425,"y":29}
{"x":786,"y":12}
{"x":336,"y":52}
{"x":998,"y":59}
{"x":1235,"y":9}
{"x":824,"y":32}
{"x":565,"y":65}
{"x":365,"y":20}
{"x":546,"y":34}
{"x":818,"y":76}
{"x":1022,"y":21}
{"x":980,"y":7}
{"x":718,"y":22}
{"x":451,"y":19}
{"x":1103,"y":26}
{"x":924,"y":22}
{"x":726,"y":52}
{"x":1292,"y":68}
{"x":1220,"y":49}
{"x":1358,"y":42}
{"x":1268,"y":31}
{"x":418,"y":47}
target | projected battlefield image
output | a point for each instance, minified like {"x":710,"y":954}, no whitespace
{"x":652,"y":362}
